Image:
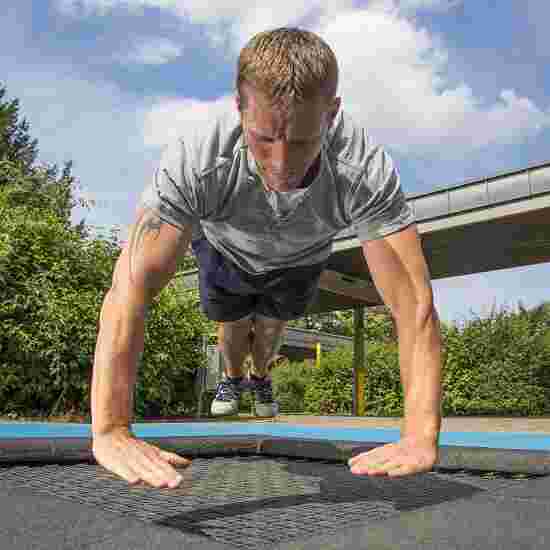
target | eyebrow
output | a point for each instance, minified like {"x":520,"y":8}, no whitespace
{"x":303,"y":140}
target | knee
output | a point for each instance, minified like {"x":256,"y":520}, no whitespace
{"x":268,"y":333}
{"x":234,"y":333}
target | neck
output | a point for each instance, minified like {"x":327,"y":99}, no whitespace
{"x":312,"y":173}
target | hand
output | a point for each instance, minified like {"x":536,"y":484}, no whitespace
{"x":406,"y":457}
{"x":134,"y":460}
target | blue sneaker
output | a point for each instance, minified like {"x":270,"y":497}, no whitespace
{"x":265,"y":405}
{"x":227,"y":397}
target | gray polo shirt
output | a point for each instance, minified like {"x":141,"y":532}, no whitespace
{"x":211,"y":182}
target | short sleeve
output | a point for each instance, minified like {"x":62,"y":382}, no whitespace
{"x":173,"y":192}
{"x":377,"y":206}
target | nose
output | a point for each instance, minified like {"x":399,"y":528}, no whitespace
{"x":280,"y":158}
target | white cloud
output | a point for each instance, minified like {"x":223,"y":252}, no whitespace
{"x":396,"y":84}
{"x":86,"y":8}
{"x":204,"y":12}
{"x":153,"y":52}
{"x":231,"y":22}
{"x":197,"y":11}
{"x":171,"y":118}
{"x":428,"y":5}
{"x":94,"y":124}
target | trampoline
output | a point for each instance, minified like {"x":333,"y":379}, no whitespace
{"x":272,"y":486}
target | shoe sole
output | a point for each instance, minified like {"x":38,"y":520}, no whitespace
{"x":224,"y":408}
{"x":267,"y":411}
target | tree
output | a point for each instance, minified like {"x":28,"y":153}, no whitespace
{"x":16,"y":144}
{"x":53,"y":280}
{"x":35,"y":182}
{"x":52,"y":285}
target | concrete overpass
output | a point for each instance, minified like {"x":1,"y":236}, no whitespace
{"x":497,"y":222}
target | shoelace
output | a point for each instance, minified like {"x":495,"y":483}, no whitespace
{"x":227,"y":391}
{"x":264,"y":392}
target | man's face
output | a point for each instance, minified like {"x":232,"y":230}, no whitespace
{"x":283,"y":145}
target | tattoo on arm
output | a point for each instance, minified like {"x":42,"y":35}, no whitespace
{"x":148,"y":227}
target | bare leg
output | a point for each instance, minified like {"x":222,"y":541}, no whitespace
{"x":267,"y":341}
{"x":234,"y":344}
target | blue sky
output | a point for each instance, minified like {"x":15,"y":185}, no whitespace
{"x":454,"y":89}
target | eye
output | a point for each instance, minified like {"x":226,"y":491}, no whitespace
{"x":261,"y":139}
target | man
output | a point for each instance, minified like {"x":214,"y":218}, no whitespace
{"x":261,"y":194}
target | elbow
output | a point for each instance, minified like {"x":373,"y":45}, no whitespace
{"x":419,"y":312}
{"x":426,"y":314}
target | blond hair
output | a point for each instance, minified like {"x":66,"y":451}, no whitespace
{"x":290,"y":66}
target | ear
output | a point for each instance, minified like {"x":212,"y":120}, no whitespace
{"x":335,"y":107}
{"x":333,"y":110}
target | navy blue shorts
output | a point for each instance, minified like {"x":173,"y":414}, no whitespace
{"x":228,"y":293}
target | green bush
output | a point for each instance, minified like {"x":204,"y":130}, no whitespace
{"x":172,"y":353}
{"x":53,"y":281}
{"x":331,"y":387}
{"x":497,"y":365}
{"x":383,"y":390}
{"x":290,"y":382}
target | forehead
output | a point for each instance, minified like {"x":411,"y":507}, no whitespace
{"x":304,"y":120}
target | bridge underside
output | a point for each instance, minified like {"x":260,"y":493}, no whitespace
{"x":453,"y":247}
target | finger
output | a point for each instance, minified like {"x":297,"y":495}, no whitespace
{"x":361,"y":457}
{"x":375,"y":455}
{"x":374,"y":458}
{"x":182,"y":481}
{"x":139,"y":462}
{"x":374,"y":468}
{"x":175,"y":459}
{"x":415,"y":468}
{"x":403,"y":470}
{"x":139,"y":468}
{"x":153,"y":469}
{"x":123,"y":471}
{"x":165,"y":461}
{"x":115,"y":464}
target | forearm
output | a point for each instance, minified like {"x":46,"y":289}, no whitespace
{"x":119,"y":345}
{"x":420,"y":364}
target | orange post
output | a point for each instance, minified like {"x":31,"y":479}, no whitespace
{"x":318,"y":355}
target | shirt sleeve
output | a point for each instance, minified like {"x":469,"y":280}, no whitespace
{"x":173,"y":193}
{"x":377,"y":206}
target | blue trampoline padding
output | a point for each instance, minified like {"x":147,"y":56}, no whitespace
{"x":490,"y":440}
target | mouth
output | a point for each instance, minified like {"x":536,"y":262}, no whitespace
{"x":288,"y":177}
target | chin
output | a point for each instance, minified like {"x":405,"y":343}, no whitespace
{"x":286,"y":185}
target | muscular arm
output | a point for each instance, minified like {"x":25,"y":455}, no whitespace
{"x":399,"y":270}
{"x":143,"y":269}
{"x":146,"y":229}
